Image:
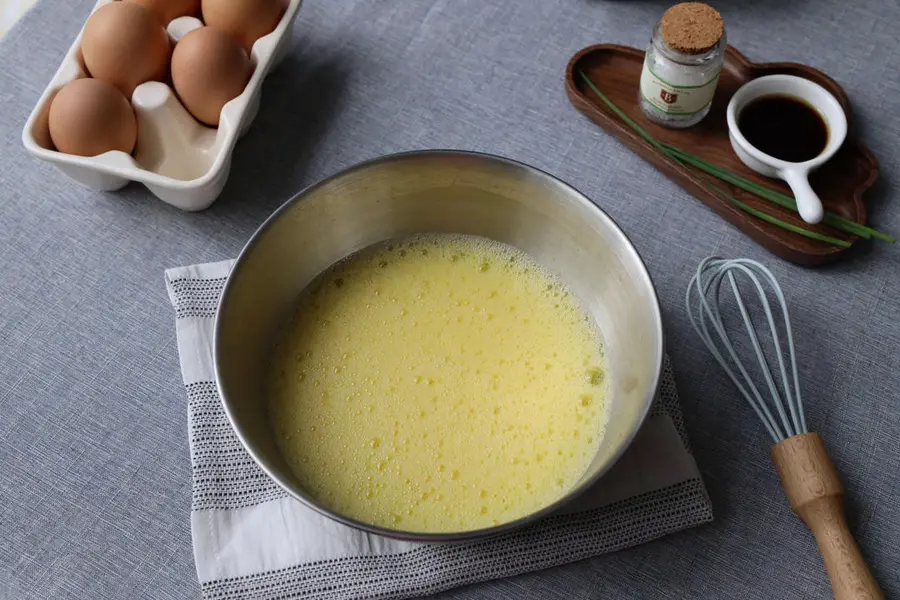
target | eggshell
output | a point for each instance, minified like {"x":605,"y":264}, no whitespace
{"x":124,"y":44}
{"x":209,"y":68}
{"x":245,"y":20}
{"x":89,"y":117}
{"x":167,"y":10}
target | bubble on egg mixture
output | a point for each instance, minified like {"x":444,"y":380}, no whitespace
{"x":438,"y":383}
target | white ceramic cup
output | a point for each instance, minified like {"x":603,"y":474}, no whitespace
{"x":796,"y":175}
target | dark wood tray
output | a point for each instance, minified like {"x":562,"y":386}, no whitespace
{"x":840,"y":183}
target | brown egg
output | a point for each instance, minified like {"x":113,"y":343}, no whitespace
{"x":89,"y":117}
{"x":209,"y":68}
{"x":166,"y":10}
{"x":246,"y":20}
{"x":124,"y":44}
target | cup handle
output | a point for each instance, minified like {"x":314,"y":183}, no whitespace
{"x":808,"y":204}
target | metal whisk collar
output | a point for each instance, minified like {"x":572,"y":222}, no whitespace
{"x":703,"y":300}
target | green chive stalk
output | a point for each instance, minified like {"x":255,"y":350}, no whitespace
{"x":775,"y":196}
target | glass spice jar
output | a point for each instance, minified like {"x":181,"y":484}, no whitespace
{"x":682,"y":65}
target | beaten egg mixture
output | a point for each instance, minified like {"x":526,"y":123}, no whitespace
{"x":438,"y":383}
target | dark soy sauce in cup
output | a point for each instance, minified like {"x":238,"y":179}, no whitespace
{"x":784,"y":127}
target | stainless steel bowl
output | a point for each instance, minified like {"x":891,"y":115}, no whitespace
{"x":437,"y":191}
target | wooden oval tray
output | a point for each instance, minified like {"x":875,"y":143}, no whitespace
{"x":841,"y":182}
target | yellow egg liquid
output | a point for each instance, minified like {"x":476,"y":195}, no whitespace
{"x":438,"y":383}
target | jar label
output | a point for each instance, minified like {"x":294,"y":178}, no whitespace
{"x":675,"y":99}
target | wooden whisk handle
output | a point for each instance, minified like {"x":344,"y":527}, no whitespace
{"x":815,"y":492}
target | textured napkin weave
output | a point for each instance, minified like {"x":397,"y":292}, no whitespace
{"x":251,"y":540}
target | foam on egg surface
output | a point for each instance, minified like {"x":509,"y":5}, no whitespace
{"x":438,"y":383}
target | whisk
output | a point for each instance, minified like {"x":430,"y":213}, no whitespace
{"x":808,"y":476}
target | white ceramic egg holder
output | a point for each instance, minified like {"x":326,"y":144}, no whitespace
{"x":183,"y":162}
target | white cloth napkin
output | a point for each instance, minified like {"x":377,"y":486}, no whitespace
{"x":251,"y":540}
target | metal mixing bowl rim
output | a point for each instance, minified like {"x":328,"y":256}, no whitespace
{"x":572,"y":192}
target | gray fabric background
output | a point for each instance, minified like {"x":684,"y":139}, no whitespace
{"x":94,"y":467}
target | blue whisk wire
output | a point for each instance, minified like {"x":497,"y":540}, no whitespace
{"x":703,"y":300}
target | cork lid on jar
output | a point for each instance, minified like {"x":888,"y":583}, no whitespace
{"x":692,"y":27}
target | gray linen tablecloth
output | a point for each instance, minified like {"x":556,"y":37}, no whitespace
{"x":94,"y":469}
